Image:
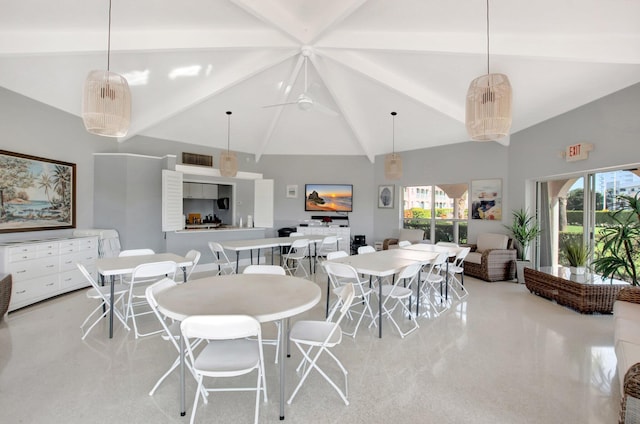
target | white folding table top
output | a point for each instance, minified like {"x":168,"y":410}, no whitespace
{"x":126,"y":264}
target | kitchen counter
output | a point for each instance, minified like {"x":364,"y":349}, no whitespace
{"x":213,"y":227}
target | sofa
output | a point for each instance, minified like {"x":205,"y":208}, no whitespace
{"x":626,"y":312}
{"x":492,"y":258}
{"x":412,"y":235}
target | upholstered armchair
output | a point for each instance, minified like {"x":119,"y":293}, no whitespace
{"x":492,"y":258}
{"x":410,"y":234}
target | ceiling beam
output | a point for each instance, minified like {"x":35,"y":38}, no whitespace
{"x":381,"y":75}
{"x":227,"y":78}
{"x":356,"y":124}
{"x":284,"y":97}
{"x":273,"y":14}
{"x":34,"y":42}
{"x":341,"y":11}
{"x":593,"y":48}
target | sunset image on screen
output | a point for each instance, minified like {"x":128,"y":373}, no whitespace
{"x":329,"y":197}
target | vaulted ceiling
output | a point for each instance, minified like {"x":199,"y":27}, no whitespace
{"x":189,"y":61}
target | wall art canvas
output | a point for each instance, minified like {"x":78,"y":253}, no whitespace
{"x":486,"y":199}
{"x":385,"y":196}
{"x":36,"y":193}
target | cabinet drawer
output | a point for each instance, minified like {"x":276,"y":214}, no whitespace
{"x":68,"y":246}
{"x":68,"y":262}
{"x":30,"y":291}
{"x":47,"y":249}
{"x":25,"y":270}
{"x":87,"y":244}
{"x":73,"y":280}
{"x":22,"y":253}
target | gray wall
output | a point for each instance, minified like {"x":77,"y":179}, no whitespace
{"x":610,"y":123}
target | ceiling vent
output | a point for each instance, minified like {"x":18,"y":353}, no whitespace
{"x":196,"y":159}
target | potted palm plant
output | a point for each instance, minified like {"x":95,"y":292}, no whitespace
{"x":524,"y":229}
{"x":577,"y":255}
{"x":620,"y":255}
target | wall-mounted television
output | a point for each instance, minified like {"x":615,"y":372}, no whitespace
{"x":328,"y":197}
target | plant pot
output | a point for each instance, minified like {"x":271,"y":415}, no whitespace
{"x":520,"y":266}
{"x":577,"y":270}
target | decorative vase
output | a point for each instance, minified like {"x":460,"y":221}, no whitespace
{"x":577,"y":270}
{"x":520,"y":266}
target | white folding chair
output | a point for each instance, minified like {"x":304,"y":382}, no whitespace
{"x":447,"y":244}
{"x":323,"y":335}
{"x":194,"y":257}
{"x":297,"y":253}
{"x":366,"y":249}
{"x":230,"y":351}
{"x":220,"y":259}
{"x":342,"y":275}
{"x":404,"y":243}
{"x":457,"y":268}
{"x":400,"y":294}
{"x":103,"y":293}
{"x":170,"y":330}
{"x":430,"y":279}
{"x":273,"y":270}
{"x":329,"y":244}
{"x":136,"y":252}
{"x":143,"y":275}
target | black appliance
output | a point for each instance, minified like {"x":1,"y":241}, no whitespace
{"x":223,"y":203}
{"x":284,"y":232}
{"x":358,"y":240}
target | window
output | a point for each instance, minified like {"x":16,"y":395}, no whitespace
{"x":441,"y":211}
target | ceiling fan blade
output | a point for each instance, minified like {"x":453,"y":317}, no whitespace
{"x":280,"y":104}
{"x":324,"y":109}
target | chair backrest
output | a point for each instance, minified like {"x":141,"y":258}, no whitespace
{"x":337,"y":254}
{"x":447,"y":244}
{"x":295,"y":234}
{"x":136,"y":252}
{"x":151,"y":293}
{"x":194,"y":257}
{"x":298,"y":248}
{"x":264,"y":269}
{"x":346,"y":299}
{"x":410,"y":271}
{"x":441,"y":258}
{"x":339,"y":270}
{"x":154,"y":269}
{"x":220,"y":327}
{"x":366,"y":249}
{"x":218,"y":252}
{"x":404,"y":243}
{"x":88,"y":276}
{"x":462,"y":254}
{"x":413,"y":235}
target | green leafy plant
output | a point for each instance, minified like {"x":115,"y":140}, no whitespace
{"x":577,"y":253}
{"x":620,"y":256}
{"x":524,"y":229}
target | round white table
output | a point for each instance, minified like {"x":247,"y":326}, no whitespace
{"x":265,"y":297}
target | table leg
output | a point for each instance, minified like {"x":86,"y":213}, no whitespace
{"x":272,"y":254}
{"x":112,"y":294}
{"x":379,"y":306}
{"x":184,"y":273}
{"x":237,"y":260}
{"x":183,"y":410}
{"x":283,"y":337}
{"x":326,"y":314}
{"x":251,"y":256}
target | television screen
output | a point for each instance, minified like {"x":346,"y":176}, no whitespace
{"x":328,"y":197}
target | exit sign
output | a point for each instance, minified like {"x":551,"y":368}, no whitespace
{"x":578,"y":151}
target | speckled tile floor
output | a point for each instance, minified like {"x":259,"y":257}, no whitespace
{"x":502,"y":356}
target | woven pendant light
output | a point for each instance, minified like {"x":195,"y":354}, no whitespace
{"x":488,"y":112}
{"x":228,"y":159}
{"x":393,"y":161}
{"x":106,"y":100}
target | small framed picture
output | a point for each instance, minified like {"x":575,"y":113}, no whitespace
{"x":292,"y":191}
{"x":385,"y":196}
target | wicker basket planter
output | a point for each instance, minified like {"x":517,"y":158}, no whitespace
{"x":5,"y":293}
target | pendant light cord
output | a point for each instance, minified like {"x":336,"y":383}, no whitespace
{"x":488,"y":37}
{"x":393,"y":133}
{"x":228,"y":130}
{"x":109,"y":38}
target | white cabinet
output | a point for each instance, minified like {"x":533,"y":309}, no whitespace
{"x":200,"y":191}
{"x":42,"y":269}
{"x":343,"y":233}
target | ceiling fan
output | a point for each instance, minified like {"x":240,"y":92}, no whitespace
{"x":304,"y":101}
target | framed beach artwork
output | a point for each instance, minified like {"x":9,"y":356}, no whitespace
{"x":36,"y":193}
{"x":486,"y":199}
{"x":385,"y":196}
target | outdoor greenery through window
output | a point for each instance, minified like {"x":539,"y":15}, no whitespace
{"x":441,"y":211}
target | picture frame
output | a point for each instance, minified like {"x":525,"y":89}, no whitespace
{"x":486,"y":199}
{"x":292,"y":191}
{"x":386,"y":196}
{"x":36,"y":193}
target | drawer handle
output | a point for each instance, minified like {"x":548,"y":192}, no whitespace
{"x":24,"y":257}
{"x":68,"y":262}
{"x":68,"y":279}
{"x":21,"y":272}
{"x":50,"y":284}
{"x":21,"y":291}
{"x":50,"y":266}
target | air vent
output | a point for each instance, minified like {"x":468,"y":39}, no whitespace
{"x":196,"y":159}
